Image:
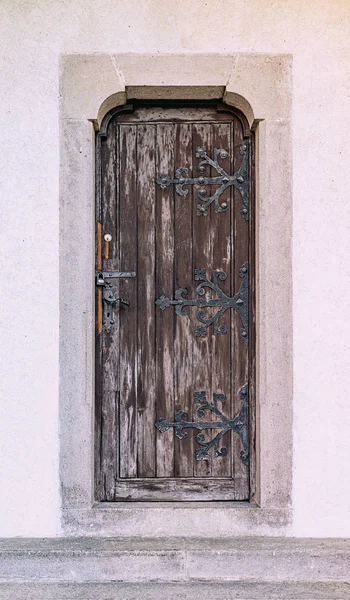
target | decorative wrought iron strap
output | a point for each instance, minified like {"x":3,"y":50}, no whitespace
{"x":239,"y":425}
{"x":240,"y":302}
{"x":239,"y":180}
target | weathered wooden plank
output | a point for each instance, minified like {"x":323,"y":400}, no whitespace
{"x":252,"y":327}
{"x":241,"y":348}
{"x":183,"y":342}
{"x":165,"y":285}
{"x":128,"y":355}
{"x":109,"y":448}
{"x":176,"y":489}
{"x":202,"y":259}
{"x":109,"y":189}
{"x":98,"y":488}
{"x":99,"y":492}
{"x":98,"y":368}
{"x":146,"y":363}
{"x":176,"y":114}
{"x":222,"y":343}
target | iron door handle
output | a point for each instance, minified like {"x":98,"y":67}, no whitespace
{"x":108,"y":298}
{"x":109,"y":303}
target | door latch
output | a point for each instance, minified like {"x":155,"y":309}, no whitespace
{"x":109,"y":303}
{"x":108,"y":298}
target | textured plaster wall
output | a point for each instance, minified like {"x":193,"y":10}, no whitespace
{"x":34,"y":34}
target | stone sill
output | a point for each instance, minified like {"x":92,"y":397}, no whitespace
{"x":176,"y":519}
{"x":174,"y":560}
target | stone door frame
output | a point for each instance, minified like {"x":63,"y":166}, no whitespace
{"x":260,"y":86}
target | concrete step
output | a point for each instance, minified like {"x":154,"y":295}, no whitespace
{"x":175,"y":591}
{"x":251,"y":567}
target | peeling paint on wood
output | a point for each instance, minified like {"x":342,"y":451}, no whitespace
{"x":153,"y":363}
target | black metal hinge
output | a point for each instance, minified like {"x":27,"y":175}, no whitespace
{"x":238,"y":424}
{"x":239,"y":180}
{"x":239,"y":302}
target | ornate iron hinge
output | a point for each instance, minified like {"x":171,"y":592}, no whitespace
{"x":108,"y":298}
{"x":239,"y":180}
{"x":239,"y":425}
{"x":239,"y":302}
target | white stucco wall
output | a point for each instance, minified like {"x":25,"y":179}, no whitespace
{"x":34,"y":34}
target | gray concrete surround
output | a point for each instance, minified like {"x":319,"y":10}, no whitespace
{"x":260,"y":86}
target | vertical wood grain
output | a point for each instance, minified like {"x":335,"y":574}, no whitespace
{"x":221,"y":344}
{"x":128,"y":354}
{"x":252,"y":326}
{"x":241,"y":348}
{"x":183,"y":341}
{"x":203,"y":256}
{"x":146,"y":260}
{"x":152,"y":361}
{"x":98,"y":488}
{"x":165,"y":285}
{"x":99,"y":268}
{"x":110,"y":349}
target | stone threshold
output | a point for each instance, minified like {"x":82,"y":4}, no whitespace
{"x":174,"y":560}
{"x":175,"y":591}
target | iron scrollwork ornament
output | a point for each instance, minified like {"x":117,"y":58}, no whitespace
{"x":239,"y":302}
{"x":239,"y":180}
{"x":238,"y":424}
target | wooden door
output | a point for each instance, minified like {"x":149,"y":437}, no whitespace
{"x":175,"y":326}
